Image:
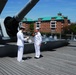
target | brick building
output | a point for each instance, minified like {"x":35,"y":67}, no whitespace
{"x":48,"y":24}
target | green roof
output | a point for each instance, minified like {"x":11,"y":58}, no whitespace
{"x":59,"y":18}
{"x":44,"y":19}
{"x":50,"y":18}
{"x":27,"y":20}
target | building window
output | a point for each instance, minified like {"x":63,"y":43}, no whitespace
{"x":38,"y":24}
{"x":53,"y":24}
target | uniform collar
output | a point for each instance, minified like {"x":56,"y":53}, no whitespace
{"x":21,"y":31}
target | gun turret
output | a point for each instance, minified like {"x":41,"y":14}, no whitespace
{"x":12,"y":23}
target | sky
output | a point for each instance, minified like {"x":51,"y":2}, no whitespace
{"x":44,"y":8}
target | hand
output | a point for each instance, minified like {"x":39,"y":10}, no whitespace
{"x":33,"y":34}
{"x":27,"y":37}
{"x":30,"y":41}
{"x":39,"y":44}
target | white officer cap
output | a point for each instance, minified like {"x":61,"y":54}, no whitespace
{"x":37,"y":28}
{"x":22,"y":27}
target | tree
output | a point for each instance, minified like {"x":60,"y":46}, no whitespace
{"x":73,"y":28}
{"x":70,"y":29}
{"x":66,"y":30}
{"x":32,"y":28}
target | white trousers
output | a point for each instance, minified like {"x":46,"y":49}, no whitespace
{"x":20,"y":53}
{"x":37,"y":50}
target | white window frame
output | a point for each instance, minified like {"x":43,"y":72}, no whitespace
{"x":37,"y":24}
{"x":52,"y":24}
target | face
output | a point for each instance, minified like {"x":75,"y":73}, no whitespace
{"x":36,"y":30}
{"x":23,"y":30}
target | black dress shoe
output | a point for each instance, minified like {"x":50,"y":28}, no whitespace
{"x":36,"y":57}
{"x":41,"y":56}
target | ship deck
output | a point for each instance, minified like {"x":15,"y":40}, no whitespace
{"x":59,"y":61}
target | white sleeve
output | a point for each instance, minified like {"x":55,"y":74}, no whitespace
{"x":40,"y":37}
{"x":22,"y":38}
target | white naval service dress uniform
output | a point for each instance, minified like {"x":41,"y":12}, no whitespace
{"x":37,"y":42}
{"x":20,"y":44}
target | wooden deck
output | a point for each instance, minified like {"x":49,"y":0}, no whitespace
{"x":60,"y":61}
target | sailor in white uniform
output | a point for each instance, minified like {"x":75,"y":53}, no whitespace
{"x":20,"y":43}
{"x":37,"y":43}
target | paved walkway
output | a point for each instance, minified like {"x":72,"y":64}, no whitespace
{"x":60,"y":61}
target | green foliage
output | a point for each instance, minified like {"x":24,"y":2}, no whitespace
{"x":70,"y":29}
{"x":32,"y":27}
{"x":73,"y":29}
{"x":66,"y":30}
